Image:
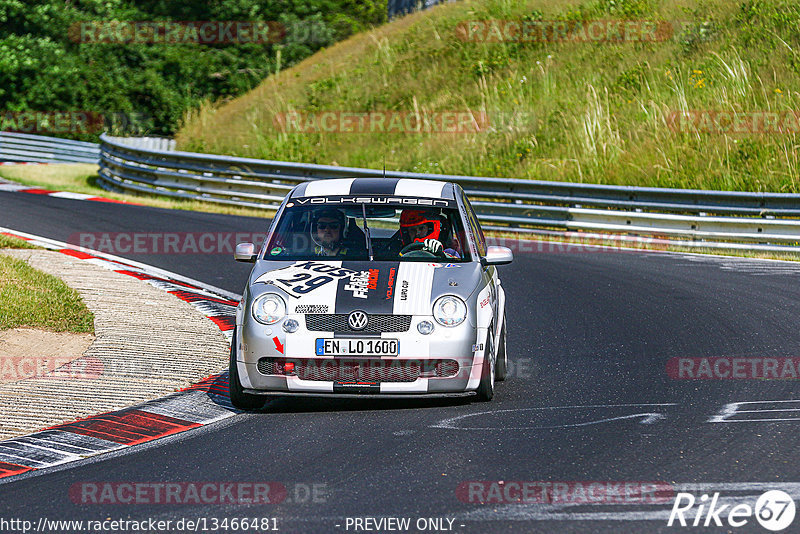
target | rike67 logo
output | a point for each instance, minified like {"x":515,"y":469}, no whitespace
{"x":774,"y":510}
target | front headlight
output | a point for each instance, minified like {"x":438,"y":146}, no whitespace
{"x":269,"y":308}
{"x":449,"y":311}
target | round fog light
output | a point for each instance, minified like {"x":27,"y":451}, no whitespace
{"x":290,"y":326}
{"x":425,"y":327}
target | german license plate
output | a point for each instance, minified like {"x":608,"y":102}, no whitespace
{"x":358,"y":347}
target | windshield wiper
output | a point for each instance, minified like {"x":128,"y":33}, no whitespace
{"x":366,"y":232}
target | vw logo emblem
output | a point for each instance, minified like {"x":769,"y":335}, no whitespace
{"x":357,"y":320}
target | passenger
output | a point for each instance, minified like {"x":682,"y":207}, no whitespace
{"x":327,"y":232}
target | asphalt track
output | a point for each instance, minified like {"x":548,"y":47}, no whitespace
{"x":589,"y":399}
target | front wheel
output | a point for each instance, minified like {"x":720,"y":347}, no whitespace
{"x":240,"y":399}
{"x":486,"y":386}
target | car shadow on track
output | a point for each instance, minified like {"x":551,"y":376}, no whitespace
{"x":313,"y":404}
{"x":217,"y":391}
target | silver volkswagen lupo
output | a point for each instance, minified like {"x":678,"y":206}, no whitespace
{"x":370,"y":287}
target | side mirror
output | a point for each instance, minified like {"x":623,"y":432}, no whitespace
{"x":497,"y":256}
{"x":245,"y":252}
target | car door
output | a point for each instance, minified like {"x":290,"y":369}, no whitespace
{"x":490,"y":277}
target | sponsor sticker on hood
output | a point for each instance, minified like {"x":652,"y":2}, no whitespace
{"x":305,"y":277}
{"x":400,"y":288}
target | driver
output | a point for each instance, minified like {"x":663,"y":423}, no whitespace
{"x":327,"y":230}
{"x":420,"y":226}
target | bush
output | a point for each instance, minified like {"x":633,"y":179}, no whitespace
{"x":43,"y":68}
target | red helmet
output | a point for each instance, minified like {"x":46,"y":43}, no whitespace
{"x":414,"y":217}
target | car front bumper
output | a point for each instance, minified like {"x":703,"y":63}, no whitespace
{"x":463,"y":344}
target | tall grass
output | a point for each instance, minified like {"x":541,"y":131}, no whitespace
{"x":592,"y":112}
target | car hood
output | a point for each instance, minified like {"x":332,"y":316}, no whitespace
{"x":404,"y":288}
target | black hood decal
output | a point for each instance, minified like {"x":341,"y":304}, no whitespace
{"x":371,"y":289}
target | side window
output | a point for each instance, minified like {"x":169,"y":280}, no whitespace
{"x":480,"y":240}
{"x":457,"y":239}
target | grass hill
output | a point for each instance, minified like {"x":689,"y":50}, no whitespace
{"x":563,"y":109}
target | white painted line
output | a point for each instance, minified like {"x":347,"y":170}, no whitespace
{"x":20,"y":460}
{"x":762,"y":411}
{"x":776,"y":420}
{"x":647,"y":417}
{"x":13,"y":187}
{"x":74,"y":196}
{"x":732,"y":409}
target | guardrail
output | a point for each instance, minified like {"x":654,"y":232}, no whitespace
{"x":42,"y":149}
{"x":510,"y":204}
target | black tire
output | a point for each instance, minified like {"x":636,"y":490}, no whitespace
{"x":240,"y":399}
{"x":486,"y":386}
{"x":501,"y":369}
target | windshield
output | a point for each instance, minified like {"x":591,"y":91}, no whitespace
{"x":336,"y":230}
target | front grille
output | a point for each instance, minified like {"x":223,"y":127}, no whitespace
{"x":266,"y":366}
{"x":446,"y":368}
{"x":362,"y":369}
{"x":337,"y":322}
{"x":371,"y":370}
